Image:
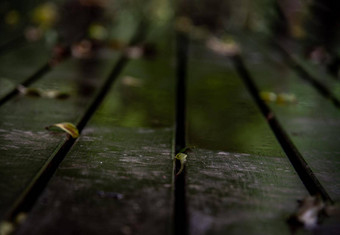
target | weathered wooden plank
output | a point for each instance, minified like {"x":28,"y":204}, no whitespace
{"x":78,"y":109}
{"x":118,"y":175}
{"x":323,"y":87}
{"x":319,"y":72}
{"x":19,"y":64}
{"x":25,"y":145}
{"x":239,"y":181}
{"x":290,"y":52}
{"x":117,"y":181}
{"x":312,"y":122}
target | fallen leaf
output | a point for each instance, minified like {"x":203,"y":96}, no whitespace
{"x":268,"y":96}
{"x":182,"y":157}
{"x":29,"y":91}
{"x":132,"y":81}
{"x":54,"y":94}
{"x":281,"y":98}
{"x":286,"y":98}
{"x":308,"y":212}
{"x":67,"y":127}
{"x":223,"y":47}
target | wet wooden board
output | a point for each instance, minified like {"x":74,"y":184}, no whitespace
{"x":25,"y":144}
{"x":312,"y":123}
{"x":19,"y":64}
{"x":320,"y":73}
{"x":118,"y":175}
{"x":256,"y":45}
{"x":239,"y":179}
{"x":27,"y":149}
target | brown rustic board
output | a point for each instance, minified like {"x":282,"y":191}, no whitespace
{"x":117,"y":178}
{"x":239,"y":181}
{"x":312,"y":123}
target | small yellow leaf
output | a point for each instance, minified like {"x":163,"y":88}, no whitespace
{"x":67,"y":127}
{"x":281,"y":98}
{"x":182,"y":157}
{"x":268,"y":96}
{"x":286,"y":98}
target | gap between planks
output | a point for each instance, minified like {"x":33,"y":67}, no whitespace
{"x":43,"y":70}
{"x":305,"y":173}
{"x":28,"y":197}
{"x":303,"y":74}
{"x":180,"y":204}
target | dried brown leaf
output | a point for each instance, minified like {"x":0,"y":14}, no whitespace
{"x":66,"y":127}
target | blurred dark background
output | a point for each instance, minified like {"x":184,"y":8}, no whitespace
{"x":313,"y":23}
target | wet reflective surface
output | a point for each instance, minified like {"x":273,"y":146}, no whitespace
{"x":118,"y":176}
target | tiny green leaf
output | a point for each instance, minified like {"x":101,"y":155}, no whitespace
{"x":268,"y":96}
{"x":67,"y":127}
{"x":182,"y":157}
{"x":281,"y":98}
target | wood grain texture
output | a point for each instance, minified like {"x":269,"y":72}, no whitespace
{"x":239,"y":180}
{"x":25,"y":145}
{"x":117,"y":178}
{"x":312,"y":123}
{"x":19,"y":64}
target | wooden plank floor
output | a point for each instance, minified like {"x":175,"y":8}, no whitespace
{"x":121,"y":168}
{"x":239,"y":180}
{"x":248,"y":161}
{"x":313,"y":133}
{"x":30,"y":58}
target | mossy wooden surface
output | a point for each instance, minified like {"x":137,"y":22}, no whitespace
{"x":26,"y":145}
{"x":19,"y":64}
{"x":118,"y":176}
{"x":239,"y":180}
{"x":312,"y":122}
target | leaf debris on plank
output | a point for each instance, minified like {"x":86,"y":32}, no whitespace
{"x":66,"y":127}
